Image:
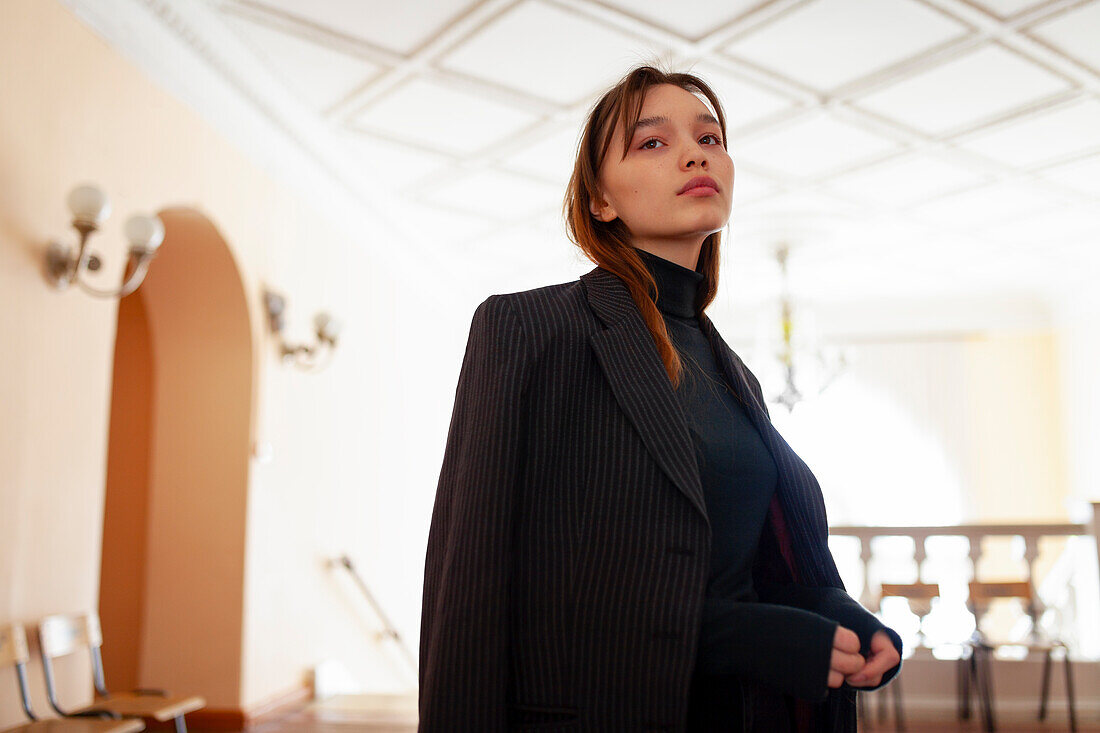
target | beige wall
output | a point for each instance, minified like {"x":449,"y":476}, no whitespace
{"x":1015,"y":444}
{"x":74,"y":110}
{"x":1078,"y":340}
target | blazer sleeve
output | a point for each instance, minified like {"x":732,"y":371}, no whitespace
{"x":836,"y":604}
{"x":464,"y":633}
{"x":788,"y":649}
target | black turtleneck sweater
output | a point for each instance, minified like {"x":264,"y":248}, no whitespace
{"x":785,"y":645}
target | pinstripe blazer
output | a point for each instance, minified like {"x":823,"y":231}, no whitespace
{"x":567,"y":558}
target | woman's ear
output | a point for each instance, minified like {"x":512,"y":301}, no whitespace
{"x":601,"y":209}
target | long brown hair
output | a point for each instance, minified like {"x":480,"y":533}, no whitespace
{"x":608,"y":244}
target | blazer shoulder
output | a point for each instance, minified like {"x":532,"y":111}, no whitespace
{"x":550,"y":310}
{"x":542,"y":294}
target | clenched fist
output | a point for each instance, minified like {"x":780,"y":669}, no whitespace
{"x":846,"y":660}
{"x":884,"y":656}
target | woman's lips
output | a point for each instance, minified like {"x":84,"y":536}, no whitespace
{"x":700,"y":191}
{"x":700,"y":182}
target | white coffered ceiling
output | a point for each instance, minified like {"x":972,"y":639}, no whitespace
{"x":899,"y":146}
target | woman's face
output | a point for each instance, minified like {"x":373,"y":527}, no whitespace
{"x":677,"y":139}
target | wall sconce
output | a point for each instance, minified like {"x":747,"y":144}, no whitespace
{"x":305,"y":356}
{"x":90,"y":208}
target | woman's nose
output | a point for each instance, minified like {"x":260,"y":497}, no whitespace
{"x":695,"y":156}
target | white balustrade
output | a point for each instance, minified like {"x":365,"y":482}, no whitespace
{"x":976,"y":534}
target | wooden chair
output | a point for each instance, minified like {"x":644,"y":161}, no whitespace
{"x":981,"y":648}
{"x":60,"y":635}
{"x":919,"y":598}
{"x":13,"y":652}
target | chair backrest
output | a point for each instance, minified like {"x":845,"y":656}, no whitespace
{"x":919,"y":595}
{"x":912,"y":590}
{"x":63,"y":634}
{"x":983,"y":593}
{"x":13,"y":645}
{"x":14,"y":653}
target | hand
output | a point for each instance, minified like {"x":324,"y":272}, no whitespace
{"x":884,"y":656}
{"x":846,"y":659}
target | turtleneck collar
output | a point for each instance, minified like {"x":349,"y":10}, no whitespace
{"x":676,"y":285}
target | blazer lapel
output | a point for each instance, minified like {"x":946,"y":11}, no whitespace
{"x":630,"y":362}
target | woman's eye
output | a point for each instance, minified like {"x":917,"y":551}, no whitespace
{"x":646,"y":145}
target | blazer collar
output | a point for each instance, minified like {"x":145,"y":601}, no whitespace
{"x":631,"y":364}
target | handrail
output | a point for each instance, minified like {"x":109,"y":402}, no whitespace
{"x":956,"y":530}
{"x":345,"y":562}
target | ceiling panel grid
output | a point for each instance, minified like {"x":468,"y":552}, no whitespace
{"x":849,"y":120}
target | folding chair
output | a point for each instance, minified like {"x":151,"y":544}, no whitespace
{"x":60,"y":635}
{"x":13,"y":652}
{"x":981,"y":648}
{"x":919,"y":598}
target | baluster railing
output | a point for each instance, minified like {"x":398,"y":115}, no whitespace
{"x":975,"y":534}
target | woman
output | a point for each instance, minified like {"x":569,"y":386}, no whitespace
{"x":621,"y":541}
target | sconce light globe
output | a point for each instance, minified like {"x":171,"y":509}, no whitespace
{"x":145,"y":233}
{"x":89,"y":205}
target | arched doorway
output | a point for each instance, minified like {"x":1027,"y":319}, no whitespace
{"x":172,"y":580}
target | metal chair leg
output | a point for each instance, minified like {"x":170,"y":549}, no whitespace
{"x":975,"y":677}
{"x":1045,"y":689}
{"x":975,"y":674}
{"x":985,"y":688}
{"x":181,"y":726}
{"x":899,"y":717}
{"x":1069,"y":694}
{"x":962,"y":681}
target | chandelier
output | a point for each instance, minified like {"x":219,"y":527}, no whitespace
{"x":805,"y":366}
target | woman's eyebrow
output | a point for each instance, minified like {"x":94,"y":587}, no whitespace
{"x":662,"y":120}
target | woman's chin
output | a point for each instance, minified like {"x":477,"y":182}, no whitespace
{"x":689,"y":226}
{"x":708,"y":225}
